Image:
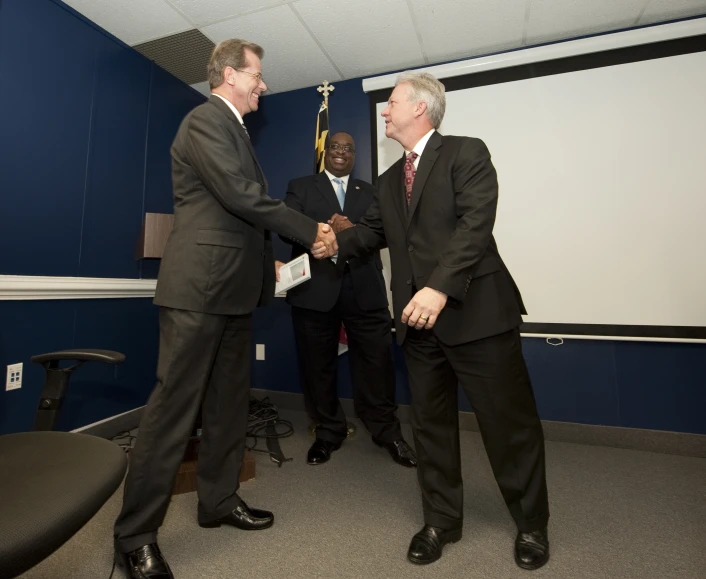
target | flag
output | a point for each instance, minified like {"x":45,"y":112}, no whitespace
{"x":342,"y":341}
{"x":321,"y":137}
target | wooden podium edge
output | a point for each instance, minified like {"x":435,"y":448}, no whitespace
{"x":186,"y":478}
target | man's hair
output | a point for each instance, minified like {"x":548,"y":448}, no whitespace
{"x":229,"y":53}
{"x":424,"y":87}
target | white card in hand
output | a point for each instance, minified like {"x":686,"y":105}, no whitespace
{"x":293,"y":273}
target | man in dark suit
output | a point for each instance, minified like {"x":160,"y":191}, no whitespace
{"x":217,"y":267}
{"x":457,"y":315}
{"x":352,"y":293}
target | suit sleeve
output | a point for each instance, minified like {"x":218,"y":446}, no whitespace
{"x":366,"y":237}
{"x":476,"y":191}
{"x":220,"y":168}
{"x":294,"y":199}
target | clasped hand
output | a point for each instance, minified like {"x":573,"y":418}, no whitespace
{"x":325,"y":244}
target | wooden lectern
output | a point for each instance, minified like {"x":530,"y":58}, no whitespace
{"x":156,"y":228}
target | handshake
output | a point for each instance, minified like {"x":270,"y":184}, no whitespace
{"x":325,"y":244}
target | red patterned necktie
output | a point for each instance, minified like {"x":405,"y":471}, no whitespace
{"x":409,"y":173}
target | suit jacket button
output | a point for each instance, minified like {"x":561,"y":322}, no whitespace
{"x":409,"y":282}
{"x":410,"y":248}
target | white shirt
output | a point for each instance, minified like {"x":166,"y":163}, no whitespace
{"x":419,"y":147}
{"x":231,"y":107}
{"x":331,"y":177}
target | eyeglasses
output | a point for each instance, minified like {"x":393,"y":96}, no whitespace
{"x":257,"y":75}
{"x":343,"y":148}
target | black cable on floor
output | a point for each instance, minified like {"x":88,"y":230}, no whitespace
{"x":124,"y":439}
{"x":265,"y":424}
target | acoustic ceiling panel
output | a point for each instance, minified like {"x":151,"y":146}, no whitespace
{"x":292,"y":60}
{"x":133,"y":21}
{"x":551,"y":20}
{"x":662,"y":10}
{"x":461,"y":28}
{"x":363,"y":37}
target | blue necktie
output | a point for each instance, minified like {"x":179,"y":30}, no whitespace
{"x":340,"y":193}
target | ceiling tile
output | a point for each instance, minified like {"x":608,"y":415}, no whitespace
{"x":363,"y":36}
{"x":453,"y":29}
{"x":292,"y":58}
{"x":663,"y":10}
{"x":559,"y":19}
{"x":133,"y":21}
{"x":201,"y":12}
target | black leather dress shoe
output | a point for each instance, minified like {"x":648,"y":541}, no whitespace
{"x":400,"y":452}
{"x":532,"y":549}
{"x":321,"y":450}
{"x":427,"y":544}
{"x":243,"y":517}
{"x":147,"y":562}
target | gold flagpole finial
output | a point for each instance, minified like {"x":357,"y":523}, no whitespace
{"x":325,"y":89}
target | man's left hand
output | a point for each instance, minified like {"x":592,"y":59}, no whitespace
{"x":424,"y":308}
{"x":339,"y":223}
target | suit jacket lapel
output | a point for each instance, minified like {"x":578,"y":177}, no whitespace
{"x":352,"y":196}
{"x":325,"y":187}
{"x":398,"y":196}
{"x":426,"y":162}
{"x":240,"y":130}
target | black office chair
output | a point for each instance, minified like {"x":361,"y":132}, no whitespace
{"x":53,"y":483}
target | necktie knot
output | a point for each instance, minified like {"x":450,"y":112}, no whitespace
{"x":412,"y":157}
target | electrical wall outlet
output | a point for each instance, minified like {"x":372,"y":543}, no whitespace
{"x":14,"y":376}
{"x":260,"y":351}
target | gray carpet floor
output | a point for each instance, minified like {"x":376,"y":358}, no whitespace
{"x":615,"y":514}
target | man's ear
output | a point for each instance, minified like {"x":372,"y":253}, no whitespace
{"x":420,"y":109}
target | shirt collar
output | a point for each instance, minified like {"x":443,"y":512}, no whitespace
{"x":331,"y":177}
{"x":231,"y":107}
{"x":419,"y":147}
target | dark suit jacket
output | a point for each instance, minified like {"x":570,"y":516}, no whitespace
{"x":314,"y":196}
{"x":444,"y":240}
{"x":218,"y":258}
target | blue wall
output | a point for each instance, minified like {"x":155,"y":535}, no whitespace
{"x":86,"y":124}
{"x":84,"y":153}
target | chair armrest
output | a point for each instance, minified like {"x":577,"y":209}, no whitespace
{"x":83,"y":355}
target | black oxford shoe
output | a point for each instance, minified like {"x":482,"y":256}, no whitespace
{"x":400,"y":452}
{"x":532,"y":549}
{"x":321,"y":450}
{"x":147,"y":562}
{"x":427,"y":544}
{"x":243,"y":517}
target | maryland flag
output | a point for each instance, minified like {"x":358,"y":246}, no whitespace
{"x":321,"y":137}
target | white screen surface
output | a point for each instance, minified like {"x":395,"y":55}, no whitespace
{"x":602,"y":173}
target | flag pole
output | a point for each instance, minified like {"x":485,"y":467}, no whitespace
{"x":322,"y":130}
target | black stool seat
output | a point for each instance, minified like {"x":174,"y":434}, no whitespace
{"x":51,"y":484}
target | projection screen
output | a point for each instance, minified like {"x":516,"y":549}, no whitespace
{"x":601,"y":162}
